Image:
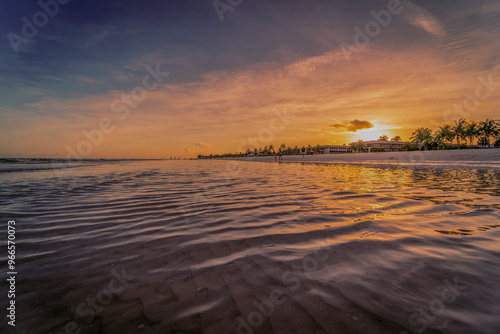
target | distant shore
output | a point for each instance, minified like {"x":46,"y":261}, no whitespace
{"x":465,"y":158}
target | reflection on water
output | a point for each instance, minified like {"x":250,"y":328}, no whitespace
{"x":237,"y":247}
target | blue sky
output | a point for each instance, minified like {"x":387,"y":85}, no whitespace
{"x":226,"y":77}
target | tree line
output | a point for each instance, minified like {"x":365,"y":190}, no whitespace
{"x":269,"y":150}
{"x":462,"y":131}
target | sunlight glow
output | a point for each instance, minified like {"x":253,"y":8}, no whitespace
{"x":372,"y":133}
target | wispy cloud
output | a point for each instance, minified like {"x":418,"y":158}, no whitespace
{"x":97,"y":37}
{"x":202,"y":145}
{"x":421,"y":18}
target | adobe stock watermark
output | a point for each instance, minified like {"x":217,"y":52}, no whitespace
{"x":278,"y":123}
{"x":233,"y":168}
{"x":266,"y":135}
{"x":292,"y":280}
{"x":121,"y":106}
{"x":484,"y":90}
{"x":263,"y":309}
{"x":221,"y":7}
{"x":88,"y":309}
{"x":40,"y":19}
{"x":421,"y":318}
{"x":372,"y":28}
{"x":412,"y":159}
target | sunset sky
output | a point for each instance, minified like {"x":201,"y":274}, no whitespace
{"x":287,"y":71}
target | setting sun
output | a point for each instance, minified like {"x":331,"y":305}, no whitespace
{"x":373,"y":133}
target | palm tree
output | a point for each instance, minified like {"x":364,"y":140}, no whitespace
{"x":383,"y":138}
{"x":283,"y":147}
{"x":471,"y":131}
{"x":483,"y":141}
{"x":353,"y":146}
{"x":487,"y":129}
{"x":497,"y":130}
{"x":420,"y":136}
{"x":359,"y":146}
{"x":318,"y":148}
{"x":439,"y":139}
{"x":497,"y":143}
{"x":397,"y":138}
{"x":432,"y":140}
{"x":445,"y":134}
{"x":309,"y":148}
{"x":271,"y":149}
{"x":296,"y":150}
{"x":459,"y":130}
{"x":451,"y":134}
{"x":265,"y":150}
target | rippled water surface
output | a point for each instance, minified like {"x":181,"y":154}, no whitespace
{"x":240,"y":247}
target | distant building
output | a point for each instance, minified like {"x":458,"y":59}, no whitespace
{"x":334,"y":149}
{"x":388,"y":146}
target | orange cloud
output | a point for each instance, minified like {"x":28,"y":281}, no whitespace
{"x":352,"y":126}
{"x":223,"y":108}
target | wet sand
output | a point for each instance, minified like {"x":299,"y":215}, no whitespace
{"x":234,"y":247}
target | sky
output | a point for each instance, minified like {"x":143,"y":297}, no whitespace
{"x":155,"y":79}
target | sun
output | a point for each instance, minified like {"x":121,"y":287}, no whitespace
{"x":373,"y":133}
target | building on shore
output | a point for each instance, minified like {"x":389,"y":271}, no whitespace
{"x":384,"y":145}
{"x":334,"y":149}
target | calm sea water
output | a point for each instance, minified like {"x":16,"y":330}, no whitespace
{"x":240,"y":247}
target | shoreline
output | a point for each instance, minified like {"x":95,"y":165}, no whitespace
{"x":466,"y":158}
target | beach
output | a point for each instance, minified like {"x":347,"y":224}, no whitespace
{"x":465,"y":158}
{"x":219,"y":246}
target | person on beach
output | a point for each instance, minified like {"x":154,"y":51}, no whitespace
{"x":303,"y":149}
{"x":280,"y":158}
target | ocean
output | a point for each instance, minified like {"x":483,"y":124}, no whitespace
{"x":219,"y":246}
